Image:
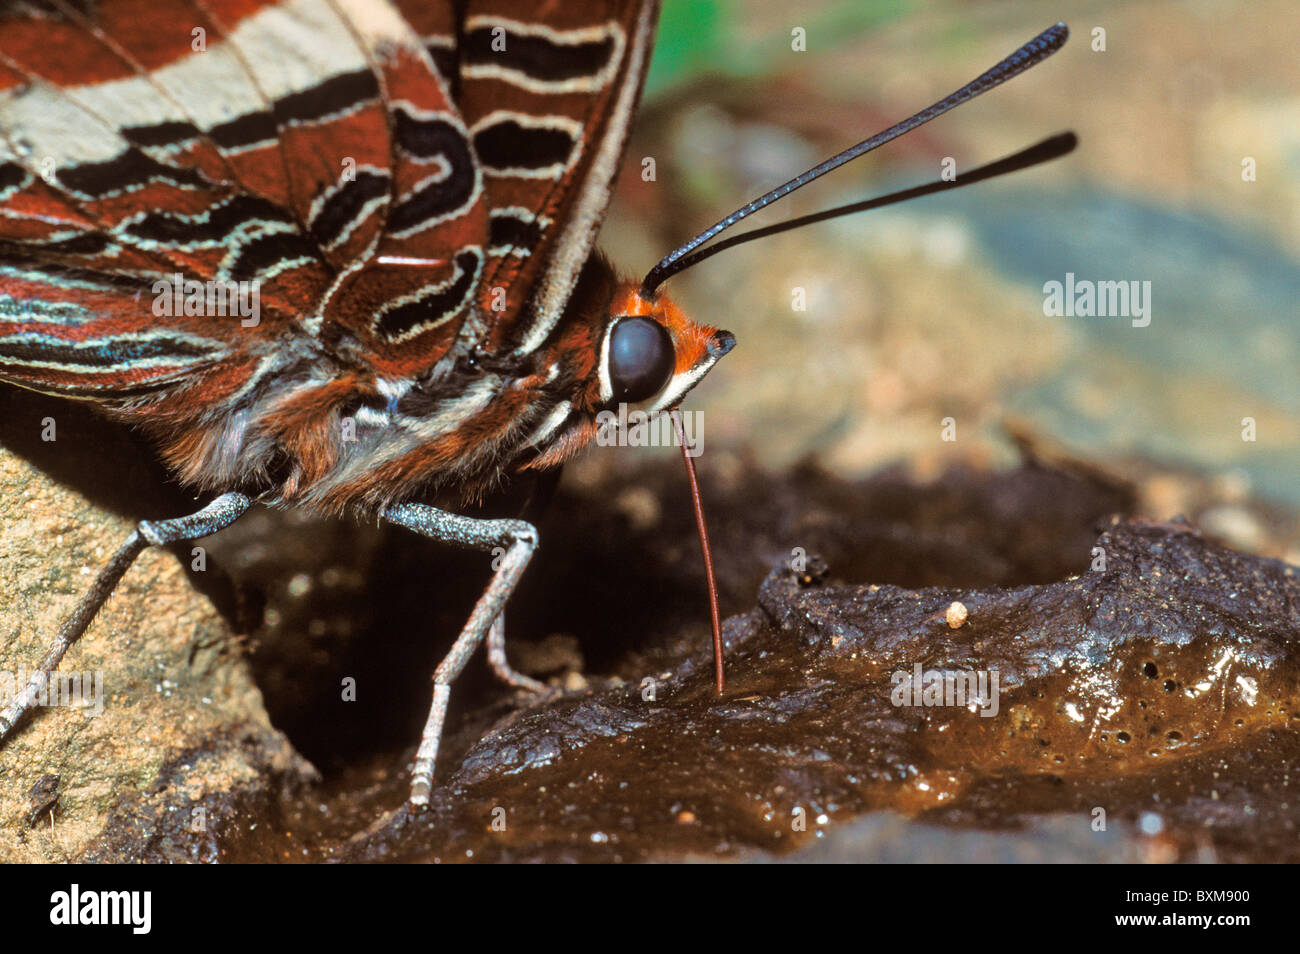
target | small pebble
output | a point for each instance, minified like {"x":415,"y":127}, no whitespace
{"x":956,"y":615}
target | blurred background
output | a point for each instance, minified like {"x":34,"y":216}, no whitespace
{"x":1186,"y":176}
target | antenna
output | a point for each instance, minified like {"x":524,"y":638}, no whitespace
{"x":1051,"y":148}
{"x":1031,"y":54}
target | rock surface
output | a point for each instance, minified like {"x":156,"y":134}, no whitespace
{"x":177,"y":738}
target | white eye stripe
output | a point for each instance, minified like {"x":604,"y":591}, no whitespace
{"x":676,"y":388}
{"x":680,"y":384}
{"x":606,"y":385}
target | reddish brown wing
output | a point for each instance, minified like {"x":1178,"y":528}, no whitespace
{"x":310,"y":147}
{"x":402,"y":304}
{"x":85,"y":169}
{"x":292,"y":145}
{"x":547,"y":91}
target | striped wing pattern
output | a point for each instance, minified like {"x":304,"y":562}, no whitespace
{"x":548,"y":105}
{"x":228,"y":142}
{"x":400,"y":182}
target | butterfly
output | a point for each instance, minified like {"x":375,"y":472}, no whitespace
{"x":338,"y":255}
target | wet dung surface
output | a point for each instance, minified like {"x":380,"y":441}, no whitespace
{"x":1165,"y":684}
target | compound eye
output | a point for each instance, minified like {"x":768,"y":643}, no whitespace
{"x":641,"y":359}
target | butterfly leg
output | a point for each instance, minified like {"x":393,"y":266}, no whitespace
{"x":496,"y":646}
{"x":518,"y":540}
{"x":217,"y":515}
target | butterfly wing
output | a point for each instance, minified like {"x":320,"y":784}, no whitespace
{"x":395,"y":180}
{"x":548,"y":102}
{"x":289,"y":146}
{"x":400,"y":305}
{"x":119,"y":176}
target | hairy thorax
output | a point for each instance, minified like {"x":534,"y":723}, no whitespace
{"x":313,"y":428}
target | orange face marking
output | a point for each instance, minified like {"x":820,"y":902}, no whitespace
{"x":690,"y":340}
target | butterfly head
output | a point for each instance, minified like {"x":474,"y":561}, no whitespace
{"x":652,"y":354}
{"x":620,"y":351}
